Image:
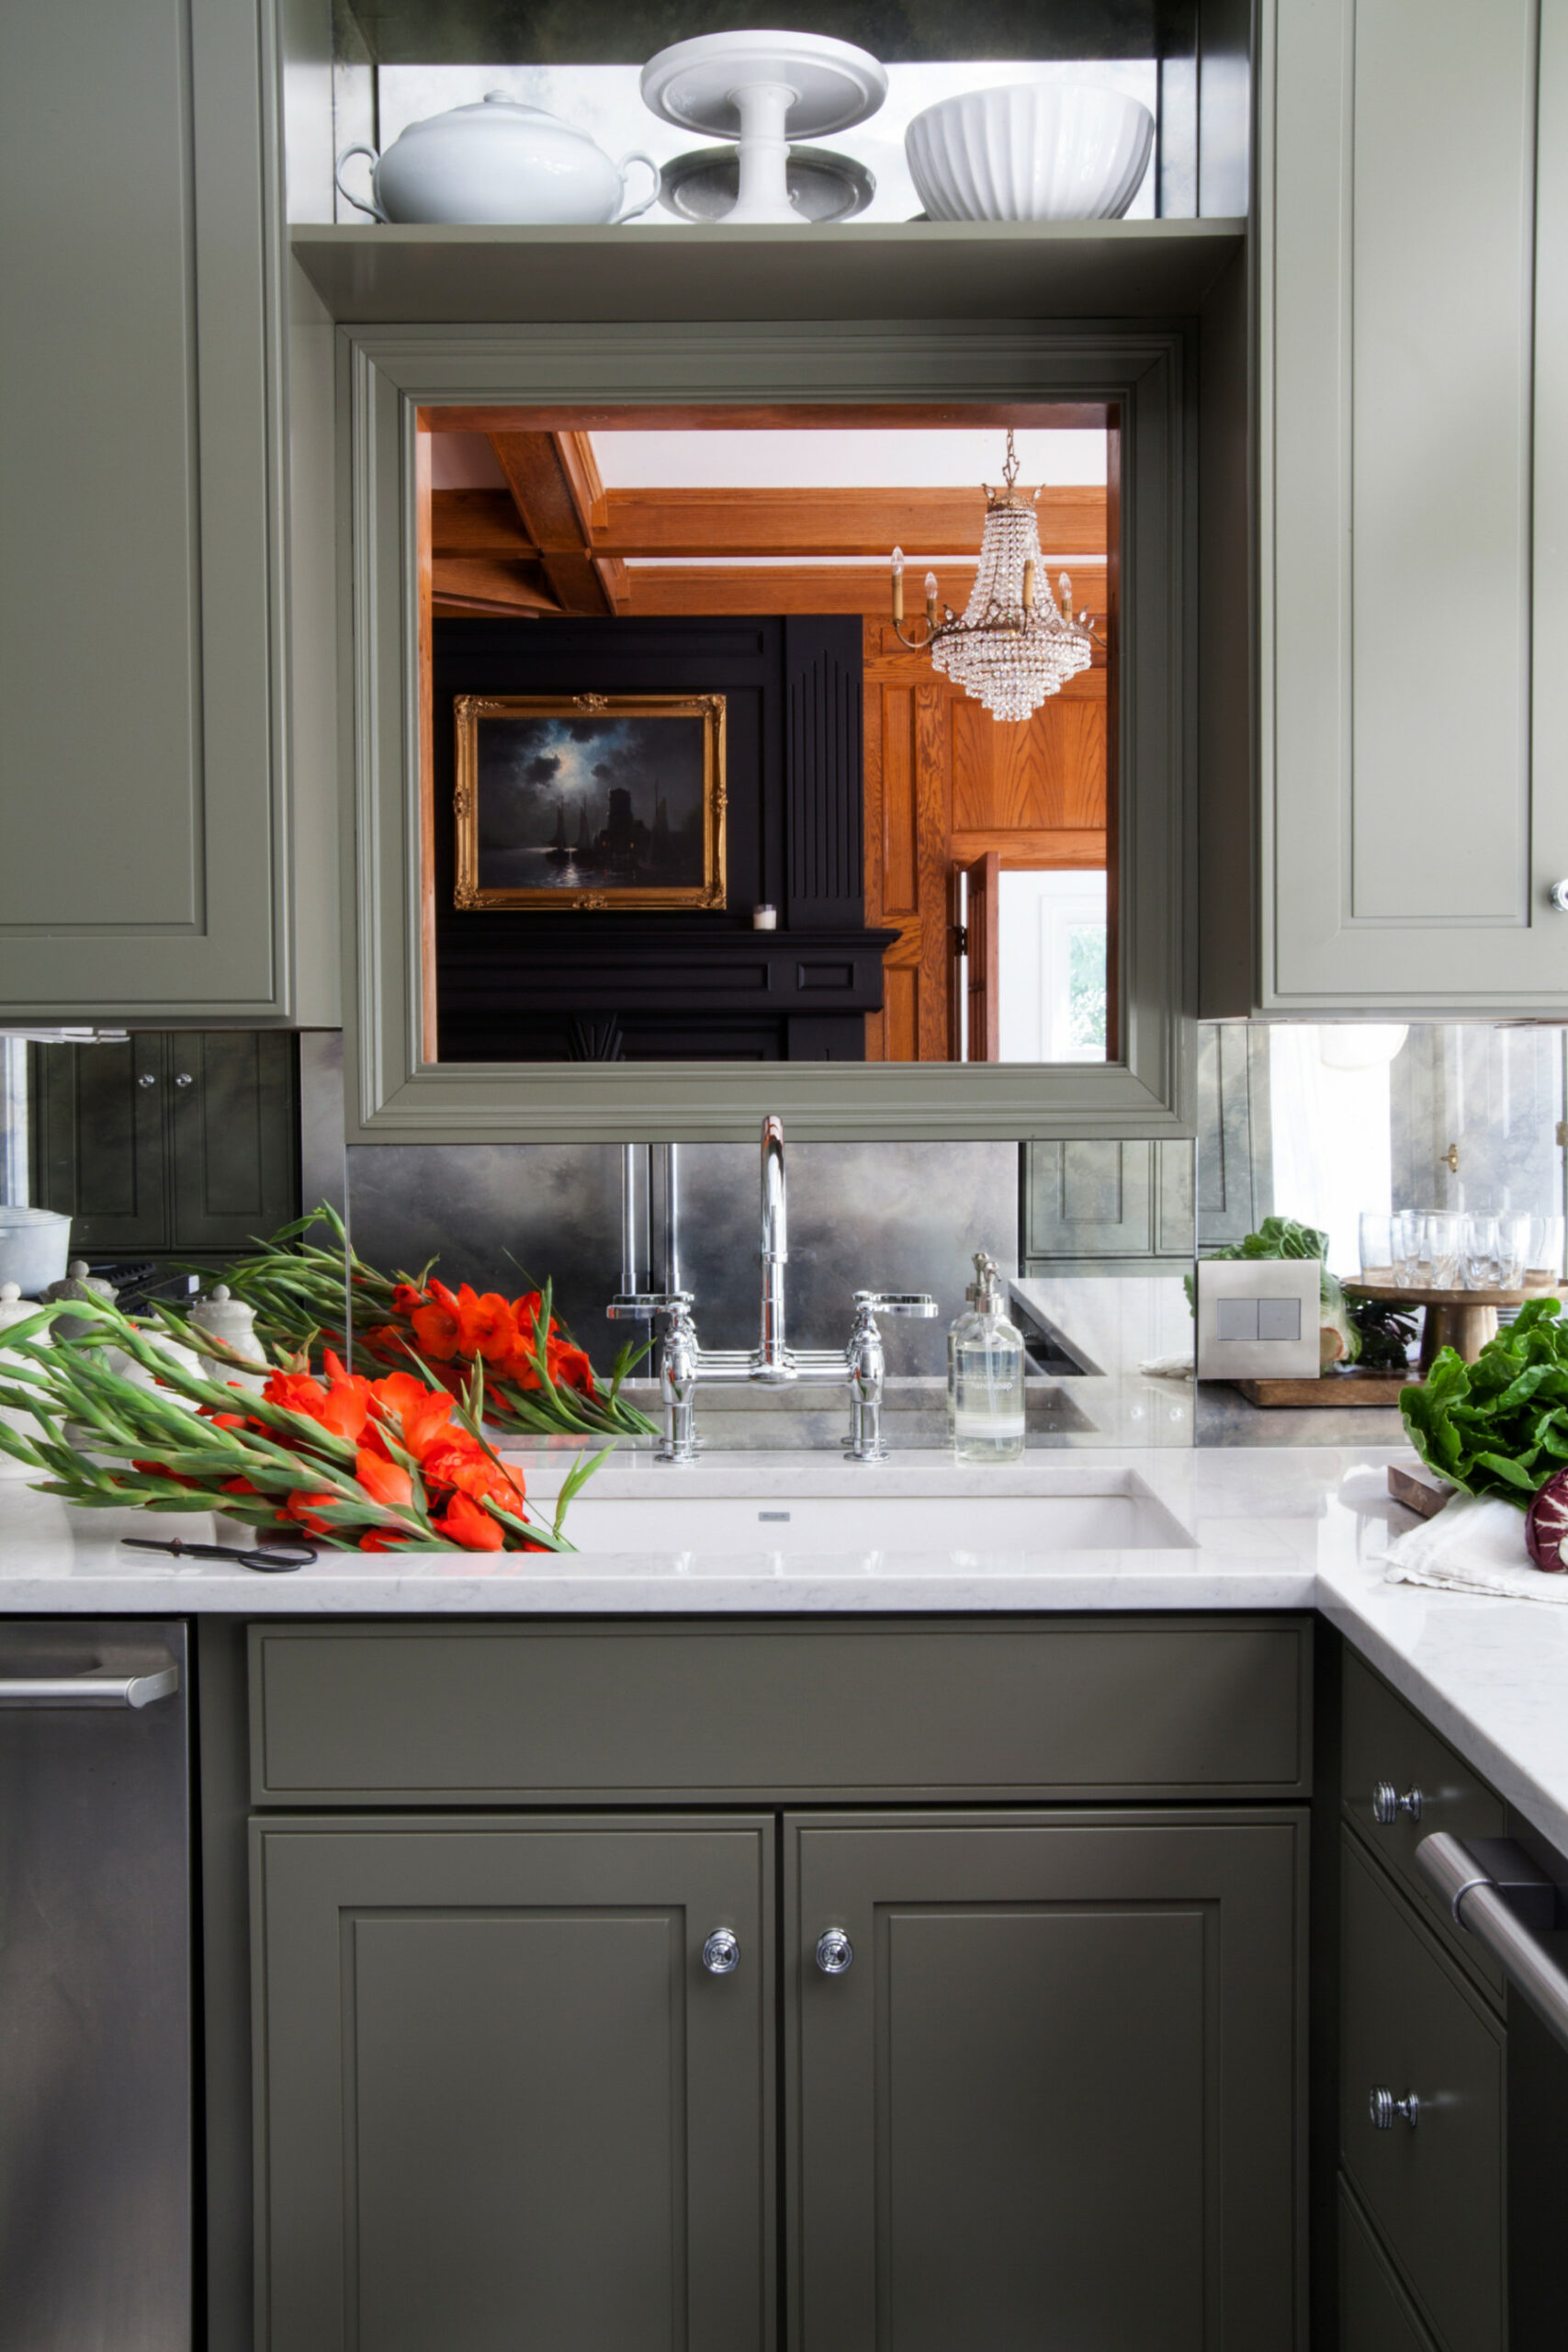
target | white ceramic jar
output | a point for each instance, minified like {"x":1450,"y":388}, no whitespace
{"x":230,"y":1319}
{"x":499,"y":163}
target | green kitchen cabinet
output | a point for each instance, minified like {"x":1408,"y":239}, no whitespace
{"x":165,"y":859}
{"x":170,"y":1143}
{"x":1091,"y":1200}
{"x":1413,"y":514}
{"x":506,"y":2101}
{"x":1053,"y":2094}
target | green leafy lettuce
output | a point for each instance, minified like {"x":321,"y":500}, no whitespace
{"x":1499,"y":1426}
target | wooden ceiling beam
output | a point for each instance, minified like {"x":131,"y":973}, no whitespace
{"x":812,"y":588}
{"x":743,"y":522}
{"x":791,"y":416}
{"x":511,"y":587}
{"x":541,"y":480}
{"x":477,"y":523}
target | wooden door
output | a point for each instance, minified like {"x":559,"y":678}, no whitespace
{"x":946,"y":785}
{"x":1053,"y":2099}
{"x":505,"y":2103}
{"x":982,"y":961}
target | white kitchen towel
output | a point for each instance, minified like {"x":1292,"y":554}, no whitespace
{"x":1477,"y":1543}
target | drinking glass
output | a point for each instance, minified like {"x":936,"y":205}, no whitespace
{"x":1544,"y":1270}
{"x":1513,"y":1248}
{"x":1443,"y":1231}
{"x":1377,"y":1245}
{"x":1481,"y":1253}
{"x":1406,"y":1236}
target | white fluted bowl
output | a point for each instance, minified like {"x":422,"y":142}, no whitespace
{"x":1034,"y":151}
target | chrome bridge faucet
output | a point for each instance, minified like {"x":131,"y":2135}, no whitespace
{"x":684,"y":1363}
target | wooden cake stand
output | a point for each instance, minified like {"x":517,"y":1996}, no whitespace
{"x":1461,"y":1319}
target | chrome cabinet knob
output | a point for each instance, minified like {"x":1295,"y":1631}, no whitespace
{"x":1558,"y":894}
{"x":721,"y":1953}
{"x":1388,"y":1805}
{"x":1385,"y":2110}
{"x":146,"y":1078}
{"x":834,"y":1952}
{"x":185,"y":1078}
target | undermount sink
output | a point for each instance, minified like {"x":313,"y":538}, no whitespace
{"x":1126,"y":1518}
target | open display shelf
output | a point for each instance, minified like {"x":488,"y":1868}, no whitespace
{"x":1077,"y":269}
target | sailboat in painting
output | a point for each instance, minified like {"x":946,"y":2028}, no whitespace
{"x":560,"y":847}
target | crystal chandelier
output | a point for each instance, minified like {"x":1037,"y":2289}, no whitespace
{"x":1011,"y":648}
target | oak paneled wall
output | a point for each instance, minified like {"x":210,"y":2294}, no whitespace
{"x":944,"y":784}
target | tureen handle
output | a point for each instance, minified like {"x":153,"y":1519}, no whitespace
{"x":373,"y":207}
{"x":623,"y":167}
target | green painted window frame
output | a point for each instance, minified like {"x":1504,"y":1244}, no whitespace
{"x":387,"y":373}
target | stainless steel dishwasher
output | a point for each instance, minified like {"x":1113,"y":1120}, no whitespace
{"x":95,"y":2223}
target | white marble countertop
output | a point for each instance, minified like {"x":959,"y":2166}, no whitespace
{"x":1271,"y":1527}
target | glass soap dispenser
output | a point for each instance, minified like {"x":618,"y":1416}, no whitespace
{"x":985,"y":1373}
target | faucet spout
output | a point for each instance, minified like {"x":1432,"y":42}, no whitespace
{"x":773,"y":1356}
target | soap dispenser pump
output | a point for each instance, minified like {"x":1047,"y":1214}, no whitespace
{"x":985,"y":1373}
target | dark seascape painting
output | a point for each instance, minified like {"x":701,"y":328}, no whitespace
{"x":605,"y":805}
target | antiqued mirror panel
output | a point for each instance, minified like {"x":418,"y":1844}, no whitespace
{"x":769,"y":734}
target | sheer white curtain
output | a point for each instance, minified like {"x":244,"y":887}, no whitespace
{"x":1332,"y":1139}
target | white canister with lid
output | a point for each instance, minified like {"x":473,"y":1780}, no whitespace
{"x":14,"y":1309}
{"x":230,"y":1319}
{"x":500,"y":163}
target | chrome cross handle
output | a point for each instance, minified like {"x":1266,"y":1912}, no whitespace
{"x":868,"y":1367}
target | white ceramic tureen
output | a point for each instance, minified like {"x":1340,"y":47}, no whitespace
{"x":498,"y":162}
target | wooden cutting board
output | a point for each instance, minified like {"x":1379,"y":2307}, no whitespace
{"x":1333,"y":1391}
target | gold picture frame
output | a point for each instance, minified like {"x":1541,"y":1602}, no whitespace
{"x":608,"y":851}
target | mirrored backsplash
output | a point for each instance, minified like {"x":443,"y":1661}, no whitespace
{"x":165,"y":1147}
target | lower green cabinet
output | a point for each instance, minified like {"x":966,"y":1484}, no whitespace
{"x":1041,"y":2081}
{"x":1052,"y":2100}
{"x":506,"y":2103}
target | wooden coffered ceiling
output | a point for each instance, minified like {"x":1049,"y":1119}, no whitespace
{"x":556,"y":541}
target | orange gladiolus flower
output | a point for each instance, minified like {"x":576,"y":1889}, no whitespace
{"x":384,"y":1481}
{"x":438,"y":1324}
{"x":485,"y":1325}
{"x":304,"y":1510}
{"x":464,"y":1523}
{"x":299,"y":1392}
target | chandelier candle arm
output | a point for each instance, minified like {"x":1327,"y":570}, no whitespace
{"x":898,"y":585}
{"x":931,"y":600}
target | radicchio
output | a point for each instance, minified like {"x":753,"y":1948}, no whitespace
{"x":1546,"y":1525}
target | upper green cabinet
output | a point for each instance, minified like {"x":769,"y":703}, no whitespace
{"x":1413,"y":483}
{"x":156,"y":863}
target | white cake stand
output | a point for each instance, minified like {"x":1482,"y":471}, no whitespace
{"x":768,"y":87}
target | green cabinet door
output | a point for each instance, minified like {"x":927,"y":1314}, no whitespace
{"x":506,"y":2104}
{"x":232,"y":1097}
{"x":151,"y":868}
{"x":1055,"y":2097}
{"x":176,"y":1143}
{"x":1413,"y":483}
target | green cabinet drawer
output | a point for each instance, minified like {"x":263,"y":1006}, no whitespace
{"x":1387,"y":1746}
{"x":566,"y":1712}
{"x":1436,"y":2190}
{"x":1375,"y":2315}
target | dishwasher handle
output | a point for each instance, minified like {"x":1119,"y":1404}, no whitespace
{"x":96,"y":1689}
{"x":1499,"y":1896}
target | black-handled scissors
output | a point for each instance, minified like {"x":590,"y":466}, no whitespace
{"x":272,"y":1557}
